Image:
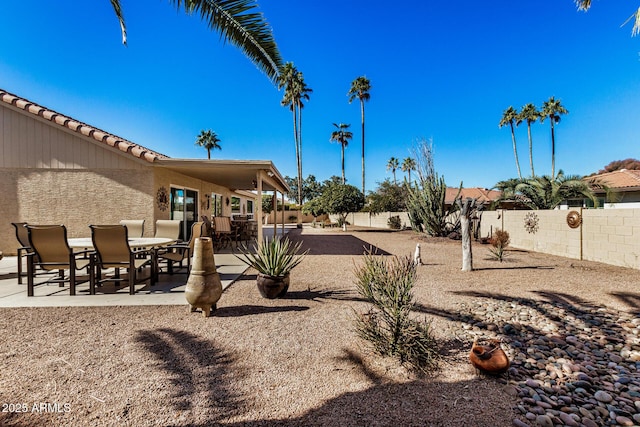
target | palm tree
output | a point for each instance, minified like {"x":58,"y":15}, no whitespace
{"x":509,"y":116}
{"x":341,"y":136}
{"x":545,"y":192}
{"x":237,"y":22}
{"x":360,"y":88}
{"x":408,"y":165}
{"x":635,"y":16}
{"x":209,"y":140}
{"x":552,"y":109}
{"x":530,"y":114}
{"x":392,"y":165}
{"x":295,"y":90}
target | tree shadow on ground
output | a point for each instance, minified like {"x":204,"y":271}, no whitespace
{"x":419,"y":402}
{"x":568,"y":330}
{"x":632,"y":300}
{"x":333,"y":244}
{"x":323,"y":294}
{"x":250,"y":310}
{"x":195,"y":367}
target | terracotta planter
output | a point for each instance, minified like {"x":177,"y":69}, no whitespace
{"x":273,"y":286}
{"x":204,"y":287}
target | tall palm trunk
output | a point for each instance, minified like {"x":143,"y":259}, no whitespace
{"x":515,"y":152}
{"x":295,"y":139}
{"x":342,"y":143}
{"x":553,"y":149}
{"x":533,"y":174}
{"x":299,"y":149}
{"x":362,"y":114}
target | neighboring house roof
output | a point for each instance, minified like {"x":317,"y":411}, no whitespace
{"x":81,"y":128}
{"x":620,"y":180}
{"x":482,"y":195}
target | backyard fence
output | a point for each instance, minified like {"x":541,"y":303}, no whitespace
{"x":611,"y":236}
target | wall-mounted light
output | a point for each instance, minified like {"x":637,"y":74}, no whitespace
{"x":255,"y":183}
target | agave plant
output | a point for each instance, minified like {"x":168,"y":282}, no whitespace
{"x":274,"y":257}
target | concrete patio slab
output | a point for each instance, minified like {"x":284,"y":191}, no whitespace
{"x":168,"y":291}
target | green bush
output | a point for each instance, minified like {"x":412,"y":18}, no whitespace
{"x":387,"y":284}
{"x":394,"y":223}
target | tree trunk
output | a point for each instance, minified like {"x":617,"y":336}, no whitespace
{"x":515,"y":151}
{"x":342,"y":163}
{"x":553,"y":150}
{"x":466,"y":210}
{"x":299,"y":154}
{"x":533,"y":174}
{"x":362,"y":113}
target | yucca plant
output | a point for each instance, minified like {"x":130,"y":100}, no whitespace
{"x":389,"y":326}
{"x":274,"y":257}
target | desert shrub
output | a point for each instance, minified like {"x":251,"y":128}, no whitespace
{"x":394,"y":222}
{"x":387,"y":284}
{"x":499,"y":242}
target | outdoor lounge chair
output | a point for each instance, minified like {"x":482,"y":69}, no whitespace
{"x":22,"y":235}
{"x":51,"y":252}
{"x":179,"y":252}
{"x":135,"y":227}
{"x":113,"y":251}
{"x":168,"y":228}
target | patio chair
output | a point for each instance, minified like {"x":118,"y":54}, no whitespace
{"x":51,"y":252}
{"x":223,"y":231}
{"x":22,"y":235}
{"x":179,"y":252}
{"x":168,"y":228}
{"x":135,"y":227}
{"x":113,"y":251}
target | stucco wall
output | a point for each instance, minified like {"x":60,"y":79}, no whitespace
{"x":75,"y":198}
{"x":611,"y":236}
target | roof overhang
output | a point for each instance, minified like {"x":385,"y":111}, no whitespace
{"x":232,"y":174}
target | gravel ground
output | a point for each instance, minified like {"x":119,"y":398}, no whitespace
{"x":297,"y":361}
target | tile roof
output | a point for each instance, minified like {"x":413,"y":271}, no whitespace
{"x":81,"y":128}
{"x":481,"y":194}
{"x":623,"y":178}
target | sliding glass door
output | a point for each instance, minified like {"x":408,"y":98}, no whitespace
{"x":184,"y":206}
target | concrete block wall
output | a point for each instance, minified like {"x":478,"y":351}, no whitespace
{"x":611,"y":236}
{"x":380,"y":220}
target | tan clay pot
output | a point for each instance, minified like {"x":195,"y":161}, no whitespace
{"x":204,"y":287}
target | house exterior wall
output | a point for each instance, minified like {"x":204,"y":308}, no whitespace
{"x":52,"y":175}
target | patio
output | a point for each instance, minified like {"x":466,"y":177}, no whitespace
{"x":168,"y":291}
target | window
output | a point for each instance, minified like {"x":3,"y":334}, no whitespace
{"x":216,"y":209}
{"x":235,"y":205}
{"x":249,"y":206}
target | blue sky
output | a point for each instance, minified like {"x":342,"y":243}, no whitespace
{"x":439,"y":70}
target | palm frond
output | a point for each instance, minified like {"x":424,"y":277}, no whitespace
{"x":237,"y":23}
{"x":118,"y":11}
{"x":636,"y":22}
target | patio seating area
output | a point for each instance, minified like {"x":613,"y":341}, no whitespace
{"x":168,"y":289}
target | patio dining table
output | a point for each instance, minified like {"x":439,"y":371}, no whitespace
{"x":134,"y":242}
